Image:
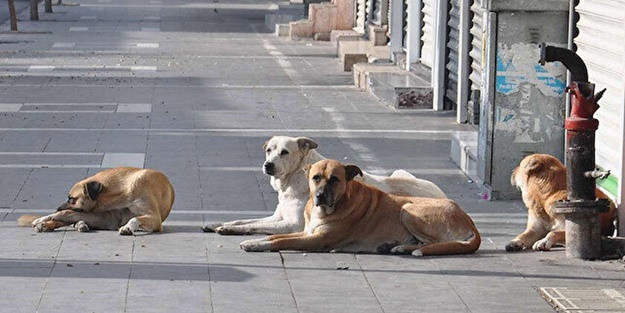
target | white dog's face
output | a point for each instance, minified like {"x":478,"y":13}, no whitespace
{"x":283,"y":154}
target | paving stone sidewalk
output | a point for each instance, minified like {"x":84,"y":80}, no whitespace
{"x":194,"y":88}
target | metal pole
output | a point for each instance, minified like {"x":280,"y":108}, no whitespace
{"x":34,"y":11}
{"x":12,"y":15}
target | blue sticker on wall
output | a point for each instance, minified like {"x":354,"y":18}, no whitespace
{"x":509,"y":77}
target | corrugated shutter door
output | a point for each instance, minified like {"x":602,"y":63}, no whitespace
{"x":361,"y":15}
{"x":404,"y":26}
{"x":600,"y":44}
{"x":453,"y":39}
{"x":476,"y":46}
{"x":428,"y":33}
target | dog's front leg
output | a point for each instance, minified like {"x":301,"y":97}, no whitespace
{"x":48,"y":223}
{"x":296,"y":241}
{"x":534,"y":231}
{"x":145,"y":218}
{"x":56,"y":220}
{"x":279,"y":227}
{"x":212,"y":227}
{"x":556,"y":237}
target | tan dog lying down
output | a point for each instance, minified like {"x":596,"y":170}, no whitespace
{"x":348,"y":216}
{"x":285,"y":158}
{"x":124,"y":198}
{"x":542,"y":181}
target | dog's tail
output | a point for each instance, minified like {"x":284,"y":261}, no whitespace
{"x":402,"y":174}
{"x":452,"y":247}
{"x":26,"y":220}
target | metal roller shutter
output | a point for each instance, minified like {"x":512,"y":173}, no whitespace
{"x":361,"y":15}
{"x":453,"y":39}
{"x":429,"y":32}
{"x":404,"y":26}
{"x":476,"y":46}
{"x":601,"y":43}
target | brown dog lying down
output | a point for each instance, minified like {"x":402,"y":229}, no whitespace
{"x":125,"y":198}
{"x":348,"y":216}
{"x":542,"y":181}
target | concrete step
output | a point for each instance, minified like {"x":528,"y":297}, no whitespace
{"x":272,"y":20}
{"x":464,"y":152}
{"x":363,"y":70}
{"x":291,"y":7}
{"x":398,"y":88}
{"x":401,"y":90}
{"x":352,"y":51}
{"x":282,"y":30}
{"x":287,"y":12}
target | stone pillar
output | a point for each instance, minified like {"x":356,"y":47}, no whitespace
{"x":345,"y":14}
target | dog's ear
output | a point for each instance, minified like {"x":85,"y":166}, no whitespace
{"x":351,"y":171}
{"x":513,"y":176}
{"x":306,"y":168}
{"x":93,"y":189}
{"x":306,"y":144}
{"x":533,"y":165}
{"x":265,"y":145}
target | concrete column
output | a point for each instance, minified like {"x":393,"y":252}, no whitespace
{"x":384,"y":5}
{"x":464,"y":61}
{"x":395,"y":26}
{"x":344,"y":14}
{"x":440,"y":49}
{"x":34,"y":10}
{"x":413,"y":36}
{"x":621,"y":176}
{"x":12,"y":15}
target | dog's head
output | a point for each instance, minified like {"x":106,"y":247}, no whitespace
{"x":283,"y":155}
{"x":82,"y":197}
{"x":542,"y":171}
{"x":327,"y":181}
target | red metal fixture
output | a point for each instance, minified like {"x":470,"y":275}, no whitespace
{"x":581,"y":210}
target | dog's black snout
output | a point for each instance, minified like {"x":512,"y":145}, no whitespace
{"x":320,"y":200}
{"x":269,"y":168}
{"x":62,"y":207}
{"x":322,"y":197}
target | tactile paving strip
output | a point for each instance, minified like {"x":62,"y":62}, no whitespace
{"x":582,"y":300}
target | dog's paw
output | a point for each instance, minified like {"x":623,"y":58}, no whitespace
{"x":125,"y":231}
{"x":542,"y":245}
{"x":228,"y":230}
{"x":82,"y":227}
{"x":401,"y":249}
{"x":255,"y":245}
{"x":514,"y":245}
{"x":210,"y":228}
{"x":417,"y":253}
{"x":38,"y":222}
{"x":42,"y":227}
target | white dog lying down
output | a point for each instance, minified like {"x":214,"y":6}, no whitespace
{"x":285,"y":158}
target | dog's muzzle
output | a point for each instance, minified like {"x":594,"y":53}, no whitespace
{"x":323,"y":197}
{"x":62,"y":207}
{"x":65,"y":207}
{"x":269,"y":168}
